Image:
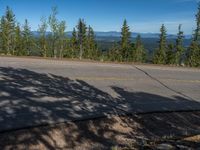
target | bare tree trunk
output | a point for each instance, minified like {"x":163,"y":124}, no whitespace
{"x":54,"y":50}
{"x":55,"y":55}
{"x":8,"y":48}
{"x":61,"y":51}
{"x":81,"y":51}
{"x":45,"y":51}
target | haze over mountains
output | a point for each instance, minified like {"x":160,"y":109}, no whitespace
{"x":115,"y":34}
{"x":134,"y":34}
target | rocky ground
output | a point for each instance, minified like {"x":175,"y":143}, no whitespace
{"x":145,"y":131}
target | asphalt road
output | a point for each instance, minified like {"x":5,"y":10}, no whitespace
{"x":37,"y":91}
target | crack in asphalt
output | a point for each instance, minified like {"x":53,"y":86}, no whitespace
{"x":163,"y":84}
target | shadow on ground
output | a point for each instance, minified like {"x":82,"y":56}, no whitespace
{"x":29,"y":98}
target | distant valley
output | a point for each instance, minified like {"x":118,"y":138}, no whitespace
{"x":150,"y":40}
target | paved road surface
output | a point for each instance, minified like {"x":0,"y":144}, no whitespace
{"x":36,"y":91}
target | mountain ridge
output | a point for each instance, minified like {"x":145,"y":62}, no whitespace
{"x":118,"y":34}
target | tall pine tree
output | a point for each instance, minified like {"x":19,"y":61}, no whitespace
{"x":196,"y":36}
{"x":125,"y":41}
{"x":139,"y":54}
{"x":9,"y":30}
{"x":193,"y":53}
{"x":53,"y":23}
{"x":91,"y":44}
{"x":62,"y":37}
{"x":27,"y":38}
{"x":82,"y":37}
{"x":160,"y":53}
{"x":73,"y":45}
{"x":3,"y":35}
{"x":42,"y":38}
{"x":18,"y":41}
{"x":179,"y":56}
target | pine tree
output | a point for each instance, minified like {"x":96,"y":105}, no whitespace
{"x":18,"y":41}
{"x":114,"y":53}
{"x":3,"y":35}
{"x":73,"y":45}
{"x":62,"y":37}
{"x":139,"y":54}
{"x":9,"y":30}
{"x":193,"y":54}
{"x":170,"y":54}
{"x":42,"y":38}
{"x":91,"y":44}
{"x":82,"y":37}
{"x":53,"y":23}
{"x":196,"y":36}
{"x":27,"y":38}
{"x":160,"y":53}
{"x":125,"y":41}
{"x":179,"y":47}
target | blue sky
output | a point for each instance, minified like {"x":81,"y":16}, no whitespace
{"x":108,"y":15}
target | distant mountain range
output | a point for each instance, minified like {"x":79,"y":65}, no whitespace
{"x":116,"y":35}
{"x":150,"y":40}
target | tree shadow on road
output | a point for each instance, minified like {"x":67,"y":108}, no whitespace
{"x":29,"y":98}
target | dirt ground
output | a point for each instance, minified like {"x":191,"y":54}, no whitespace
{"x":148,"y":131}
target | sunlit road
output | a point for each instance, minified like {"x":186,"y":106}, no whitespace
{"x":37,"y":91}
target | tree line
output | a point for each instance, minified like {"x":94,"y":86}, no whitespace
{"x":18,"y":40}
